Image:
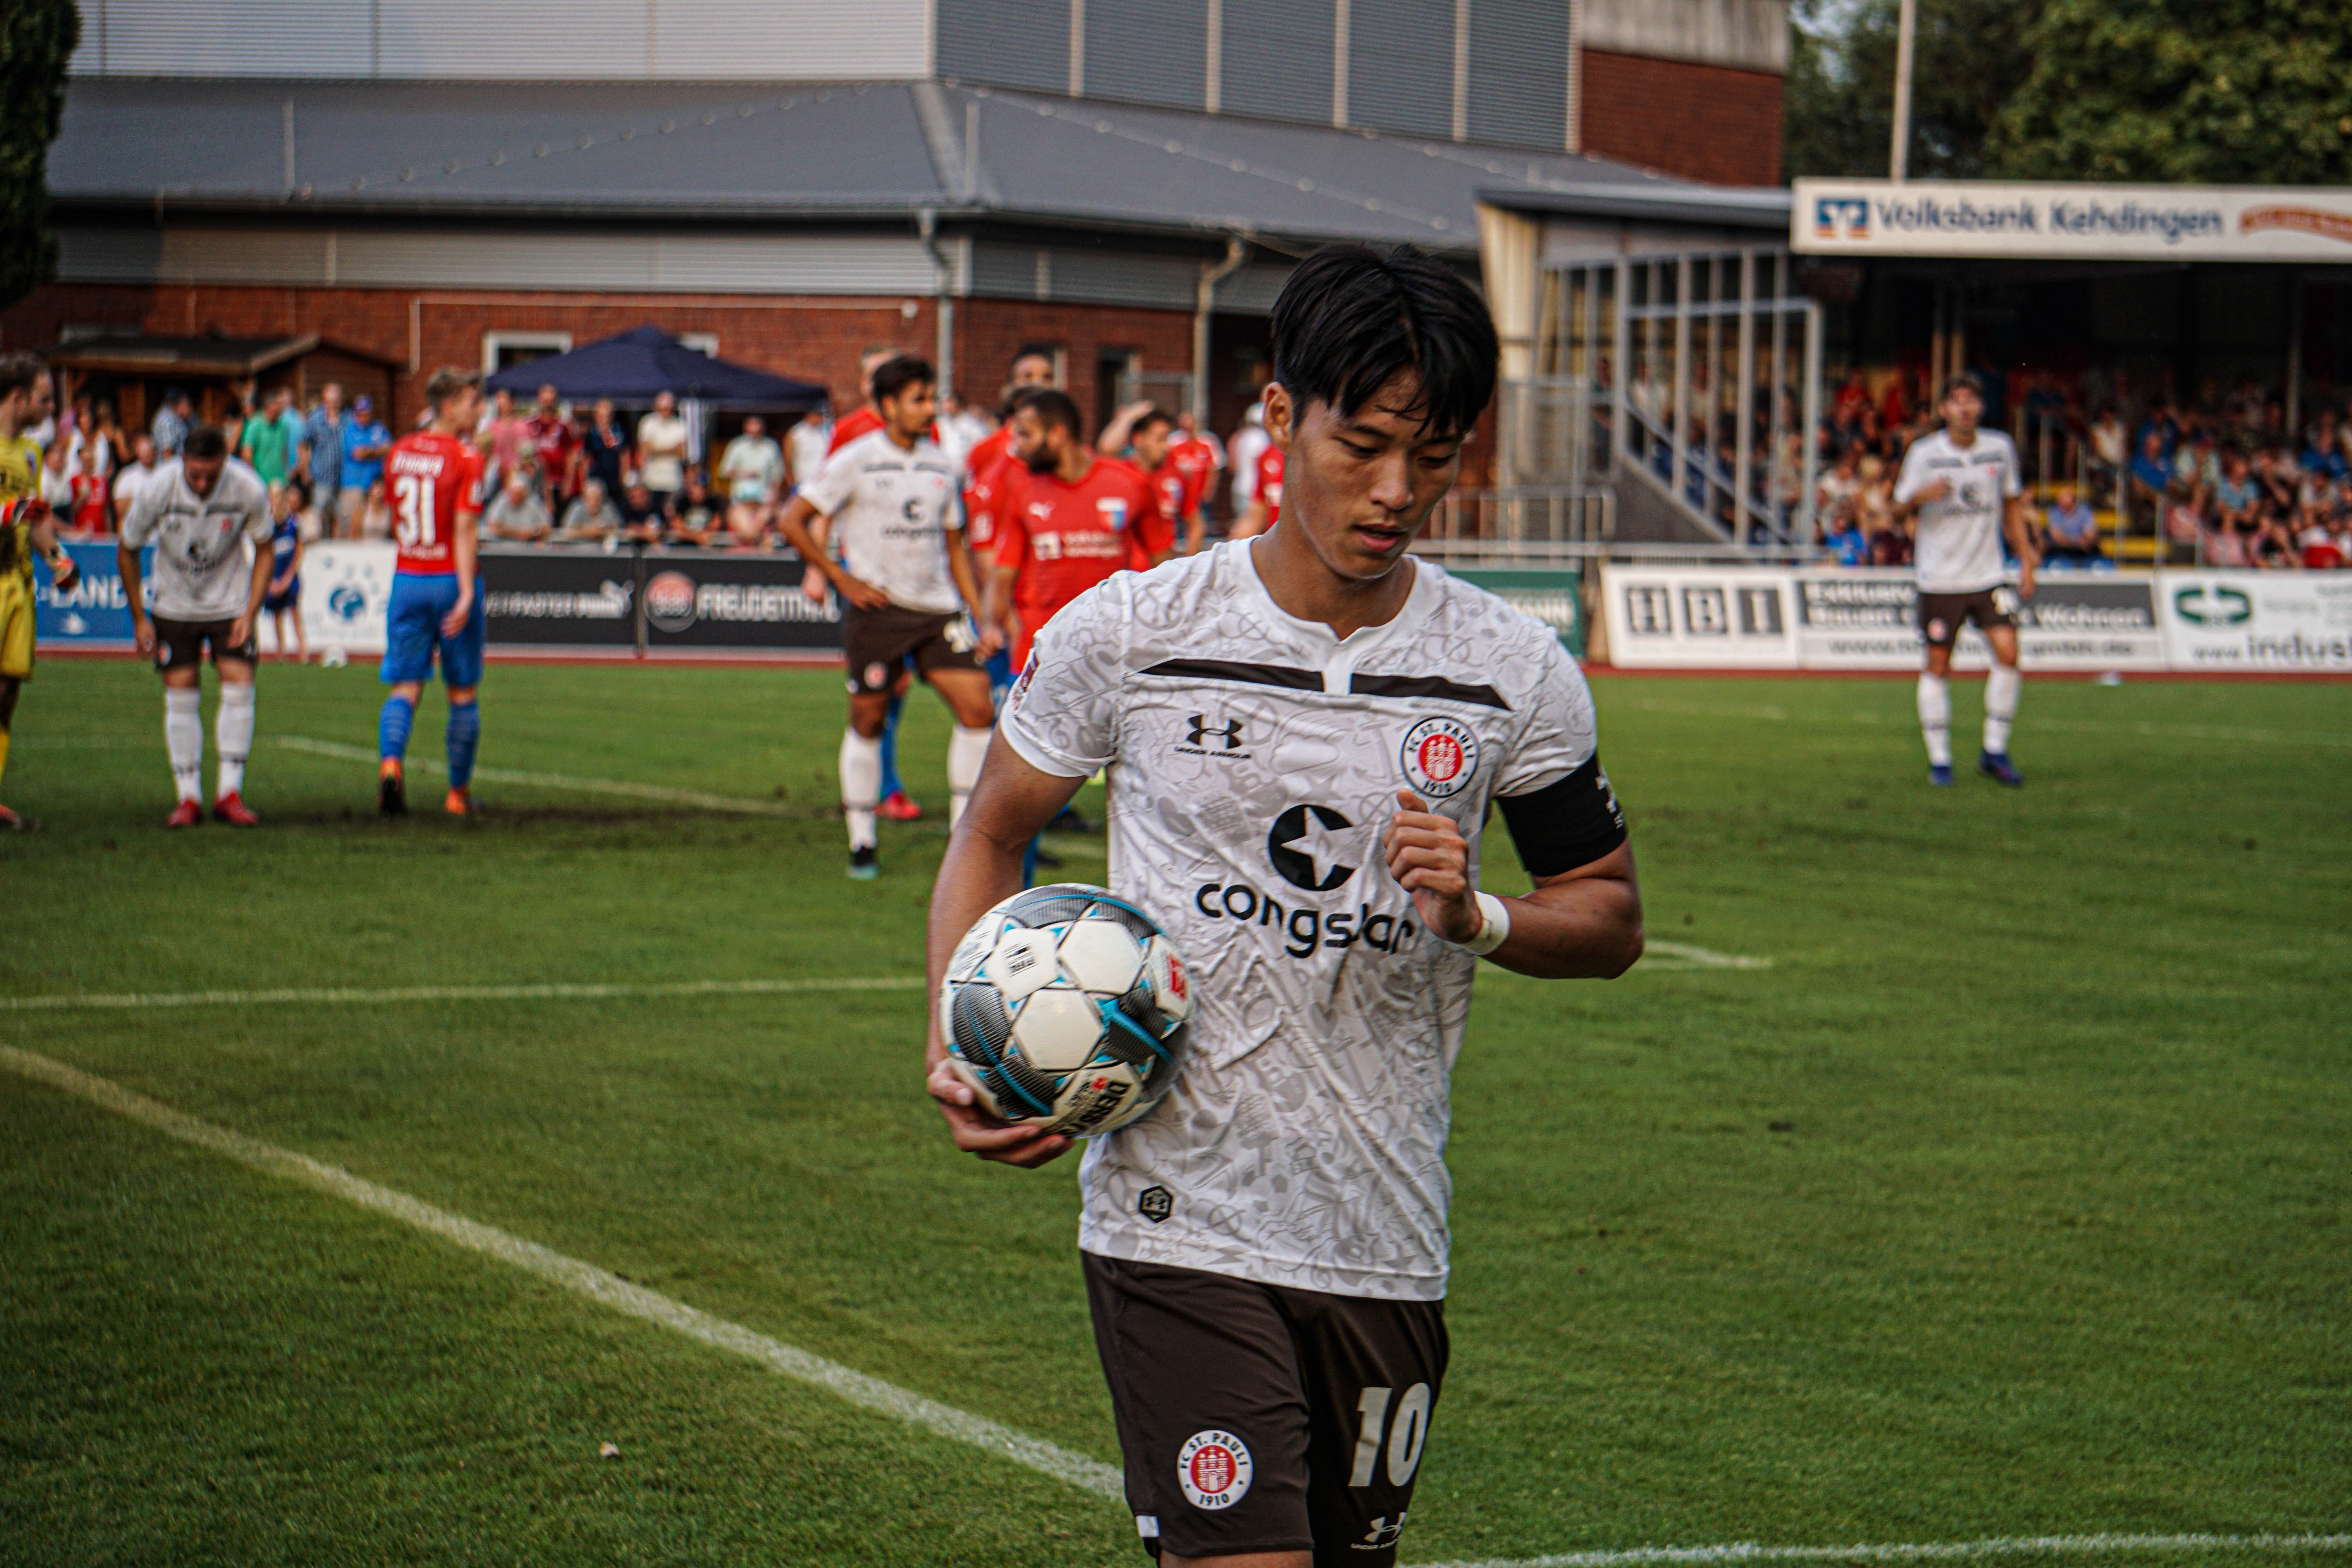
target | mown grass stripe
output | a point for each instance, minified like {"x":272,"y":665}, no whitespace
{"x":1999,"y":1546}
{"x":694,"y":797}
{"x":586,"y":1279}
{"x":337,"y":995}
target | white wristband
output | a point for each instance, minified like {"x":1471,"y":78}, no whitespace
{"x":1494,"y":927}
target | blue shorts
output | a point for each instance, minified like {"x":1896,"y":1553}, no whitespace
{"x":289,"y":600}
{"x":413,"y":631}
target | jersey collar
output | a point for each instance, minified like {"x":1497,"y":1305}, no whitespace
{"x":1337,"y":658}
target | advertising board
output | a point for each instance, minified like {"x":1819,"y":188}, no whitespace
{"x":345,"y":586}
{"x":1698,"y":617}
{"x":2258,"y":620}
{"x":750,"y":602}
{"x":97,"y":612}
{"x":2082,"y":222}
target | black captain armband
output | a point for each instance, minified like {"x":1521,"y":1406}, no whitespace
{"x":1569,"y":823}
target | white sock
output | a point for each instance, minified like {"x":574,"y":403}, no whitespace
{"x":233,"y":735}
{"x":861,"y":785}
{"x":183,"y":737}
{"x":966,"y":751}
{"x":2002,"y":684}
{"x":1936,"y":718}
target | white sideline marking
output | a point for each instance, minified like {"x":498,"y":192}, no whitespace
{"x":2001,"y":1546}
{"x":1703,"y":958}
{"x":581,"y":1278}
{"x":694,"y":797}
{"x":553,"y":991}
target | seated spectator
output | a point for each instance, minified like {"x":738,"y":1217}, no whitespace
{"x":2321,"y":452}
{"x":2072,"y":528}
{"x":517,"y":513}
{"x":2183,"y":524}
{"x":2236,"y":494}
{"x":1845,"y":542}
{"x":643,"y":513}
{"x":2232,"y":545}
{"x":2109,"y":448}
{"x":591,"y":517}
{"x":752,"y":469}
{"x":693,"y":516}
{"x":374,"y":519}
{"x":2151,"y":473}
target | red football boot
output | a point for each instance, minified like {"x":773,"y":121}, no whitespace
{"x":187,"y":814}
{"x":898,"y":808}
{"x":231,"y":808}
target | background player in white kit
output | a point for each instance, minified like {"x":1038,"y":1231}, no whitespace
{"x":1962,"y":484}
{"x":208,"y":516}
{"x":904,"y":578}
{"x":1303,"y":733}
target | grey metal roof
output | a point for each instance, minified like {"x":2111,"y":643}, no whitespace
{"x":741,"y":151}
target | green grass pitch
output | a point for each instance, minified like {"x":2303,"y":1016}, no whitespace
{"x":2056,"y":1241}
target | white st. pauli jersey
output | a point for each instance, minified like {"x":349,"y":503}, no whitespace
{"x":203,"y":567}
{"x":891,"y":509}
{"x":1959,"y":549}
{"x":1254,"y":761}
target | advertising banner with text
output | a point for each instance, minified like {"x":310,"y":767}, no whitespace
{"x":2077,"y":222}
{"x":345,"y":586}
{"x":1701,"y":617}
{"x":2269,"y":621}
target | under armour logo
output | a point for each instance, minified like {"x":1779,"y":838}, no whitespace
{"x":1382,"y":1534}
{"x":1229,"y":732}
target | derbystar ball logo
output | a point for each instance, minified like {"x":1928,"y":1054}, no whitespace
{"x":669,"y":601}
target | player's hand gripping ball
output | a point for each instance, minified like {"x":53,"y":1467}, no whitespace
{"x":1065,"y":1008}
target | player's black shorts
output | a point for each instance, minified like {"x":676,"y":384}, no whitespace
{"x":180,"y":644}
{"x":1940,"y":615}
{"x":1260,"y":1418}
{"x":875,"y":642}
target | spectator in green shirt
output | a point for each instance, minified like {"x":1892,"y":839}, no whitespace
{"x":273,"y":438}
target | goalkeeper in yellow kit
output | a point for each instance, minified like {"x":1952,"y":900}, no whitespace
{"x":24,"y":529}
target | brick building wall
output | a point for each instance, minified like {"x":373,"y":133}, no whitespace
{"x":1702,"y":121}
{"x":812,"y":337}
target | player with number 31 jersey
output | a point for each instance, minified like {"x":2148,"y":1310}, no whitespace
{"x":434,"y":478}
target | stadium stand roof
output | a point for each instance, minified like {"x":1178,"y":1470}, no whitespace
{"x":739,"y":152}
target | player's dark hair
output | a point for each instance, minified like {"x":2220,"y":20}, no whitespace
{"x":19,"y":371}
{"x":447,"y":383}
{"x":1031,"y":351}
{"x":1351,"y":317}
{"x":1967,"y":381}
{"x":1153,"y":417}
{"x":899,"y":372}
{"x":205,"y":442}
{"x":1053,"y":405}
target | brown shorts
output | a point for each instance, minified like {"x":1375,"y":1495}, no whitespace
{"x":876,"y":643}
{"x":181,"y":643}
{"x":1261,"y":1418}
{"x":1940,"y":615}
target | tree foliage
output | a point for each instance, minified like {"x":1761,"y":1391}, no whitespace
{"x":1838,"y":100}
{"x":37,"y":38}
{"x":2210,"y":91}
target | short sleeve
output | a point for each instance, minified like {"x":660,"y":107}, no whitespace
{"x":1154,"y":528}
{"x":1012,"y":537}
{"x":1063,"y":713}
{"x":1912,"y":480}
{"x":139,"y":524}
{"x":2011,"y":482}
{"x":1554,"y":797}
{"x":258,"y":524}
{"x":1558,"y":734}
{"x":829,"y":492}
{"x":469,"y":487}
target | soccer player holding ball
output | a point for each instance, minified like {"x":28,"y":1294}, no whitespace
{"x":1303,"y":732}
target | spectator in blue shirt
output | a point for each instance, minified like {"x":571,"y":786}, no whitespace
{"x":2151,"y":472}
{"x":2074,"y":529}
{"x":322,"y":451}
{"x":2320,"y":453}
{"x":365,"y":442}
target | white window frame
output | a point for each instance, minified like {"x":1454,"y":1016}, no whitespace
{"x":702,"y":343}
{"x":560,"y":342}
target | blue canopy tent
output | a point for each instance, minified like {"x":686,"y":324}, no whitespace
{"x":633,"y":367}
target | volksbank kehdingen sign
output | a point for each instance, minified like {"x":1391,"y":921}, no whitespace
{"x":2199,"y":223}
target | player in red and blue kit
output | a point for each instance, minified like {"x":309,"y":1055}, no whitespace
{"x":434,"y":481}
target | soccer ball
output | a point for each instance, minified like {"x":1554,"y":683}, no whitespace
{"x":1065,"y":1008}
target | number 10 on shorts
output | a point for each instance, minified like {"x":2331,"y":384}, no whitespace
{"x":1406,"y":1433}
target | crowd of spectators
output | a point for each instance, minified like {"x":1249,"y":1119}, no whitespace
{"x":2220,"y":480}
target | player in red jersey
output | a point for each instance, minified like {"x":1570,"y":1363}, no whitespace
{"x":434,"y":478}
{"x":1265,"y":506}
{"x":1177,"y":487}
{"x":1081,"y":518}
{"x":992,"y":473}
